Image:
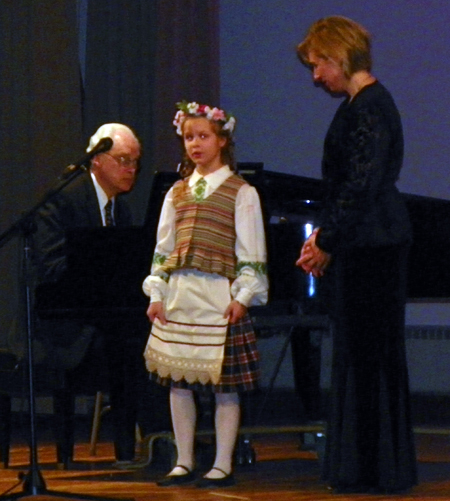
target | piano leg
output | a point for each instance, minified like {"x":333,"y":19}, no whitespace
{"x":5,"y":429}
{"x":64,"y":415}
{"x":306,"y":358}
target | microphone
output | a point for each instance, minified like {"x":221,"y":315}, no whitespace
{"x":84,"y":163}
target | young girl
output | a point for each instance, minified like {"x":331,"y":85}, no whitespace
{"x":209,"y":265}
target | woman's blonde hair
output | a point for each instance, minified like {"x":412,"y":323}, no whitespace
{"x":340,"y":39}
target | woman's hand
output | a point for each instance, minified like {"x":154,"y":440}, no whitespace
{"x":312,"y":259}
{"x":156,"y":310}
{"x":235,"y":311}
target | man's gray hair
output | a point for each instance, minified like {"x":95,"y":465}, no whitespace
{"x":108,"y":130}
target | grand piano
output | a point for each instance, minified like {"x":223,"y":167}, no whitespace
{"x":105,"y":262}
{"x":106,"y":266}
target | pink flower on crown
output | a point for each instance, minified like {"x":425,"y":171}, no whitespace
{"x":216,"y":114}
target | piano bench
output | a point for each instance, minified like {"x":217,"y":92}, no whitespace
{"x":99,"y":410}
{"x":14,"y":383}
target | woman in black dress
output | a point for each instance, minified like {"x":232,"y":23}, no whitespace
{"x":362,"y":238}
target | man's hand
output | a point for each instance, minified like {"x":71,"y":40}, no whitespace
{"x":156,"y":310}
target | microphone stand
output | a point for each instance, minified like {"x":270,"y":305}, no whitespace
{"x":33,"y":481}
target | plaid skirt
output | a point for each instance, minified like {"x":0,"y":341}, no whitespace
{"x":240,"y":369}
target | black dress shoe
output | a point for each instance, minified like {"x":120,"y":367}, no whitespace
{"x":170,"y":480}
{"x":212,"y":483}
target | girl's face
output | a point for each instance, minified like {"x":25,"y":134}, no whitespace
{"x":328,"y":72}
{"x":202,"y":144}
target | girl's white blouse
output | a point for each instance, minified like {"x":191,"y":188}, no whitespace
{"x":250,"y":287}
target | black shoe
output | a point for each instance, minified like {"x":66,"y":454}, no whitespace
{"x":170,"y":480}
{"x":212,"y":483}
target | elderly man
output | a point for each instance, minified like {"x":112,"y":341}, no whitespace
{"x":85,"y":202}
{"x":92,"y":200}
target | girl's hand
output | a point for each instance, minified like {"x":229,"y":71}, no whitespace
{"x":156,"y":310}
{"x":235,"y":311}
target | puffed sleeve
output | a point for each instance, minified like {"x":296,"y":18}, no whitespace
{"x":250,"y":287}
{"x":155,"y":285}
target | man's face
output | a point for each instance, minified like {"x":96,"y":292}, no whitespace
{"x":116,"y":170}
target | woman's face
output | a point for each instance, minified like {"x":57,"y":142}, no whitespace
{"x":328,"y":73}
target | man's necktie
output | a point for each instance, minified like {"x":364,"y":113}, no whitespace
{"x":109,"y":220}
{"x":199,"y":190}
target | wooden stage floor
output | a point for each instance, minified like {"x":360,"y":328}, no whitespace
{"x":284,"y":471}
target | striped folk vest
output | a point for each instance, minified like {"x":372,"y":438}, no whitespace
{"x":205,"y":231}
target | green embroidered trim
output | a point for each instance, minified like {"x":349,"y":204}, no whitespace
{"x":162,"y":275}
{"x":159,"y":259}
{"x":259,"y":267}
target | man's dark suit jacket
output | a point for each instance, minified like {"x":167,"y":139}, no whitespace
{"x":76,"y":206}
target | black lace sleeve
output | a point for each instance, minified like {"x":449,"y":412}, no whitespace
{"x":357,"y":166}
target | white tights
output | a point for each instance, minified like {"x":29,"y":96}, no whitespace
{"x":184,"y":417}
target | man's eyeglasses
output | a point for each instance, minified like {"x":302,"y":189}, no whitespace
{"x":125,"y":162}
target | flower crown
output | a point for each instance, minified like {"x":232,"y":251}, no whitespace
{"x":186,"y":109}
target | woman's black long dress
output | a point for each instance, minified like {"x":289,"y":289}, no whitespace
{"x":365,"y":227}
